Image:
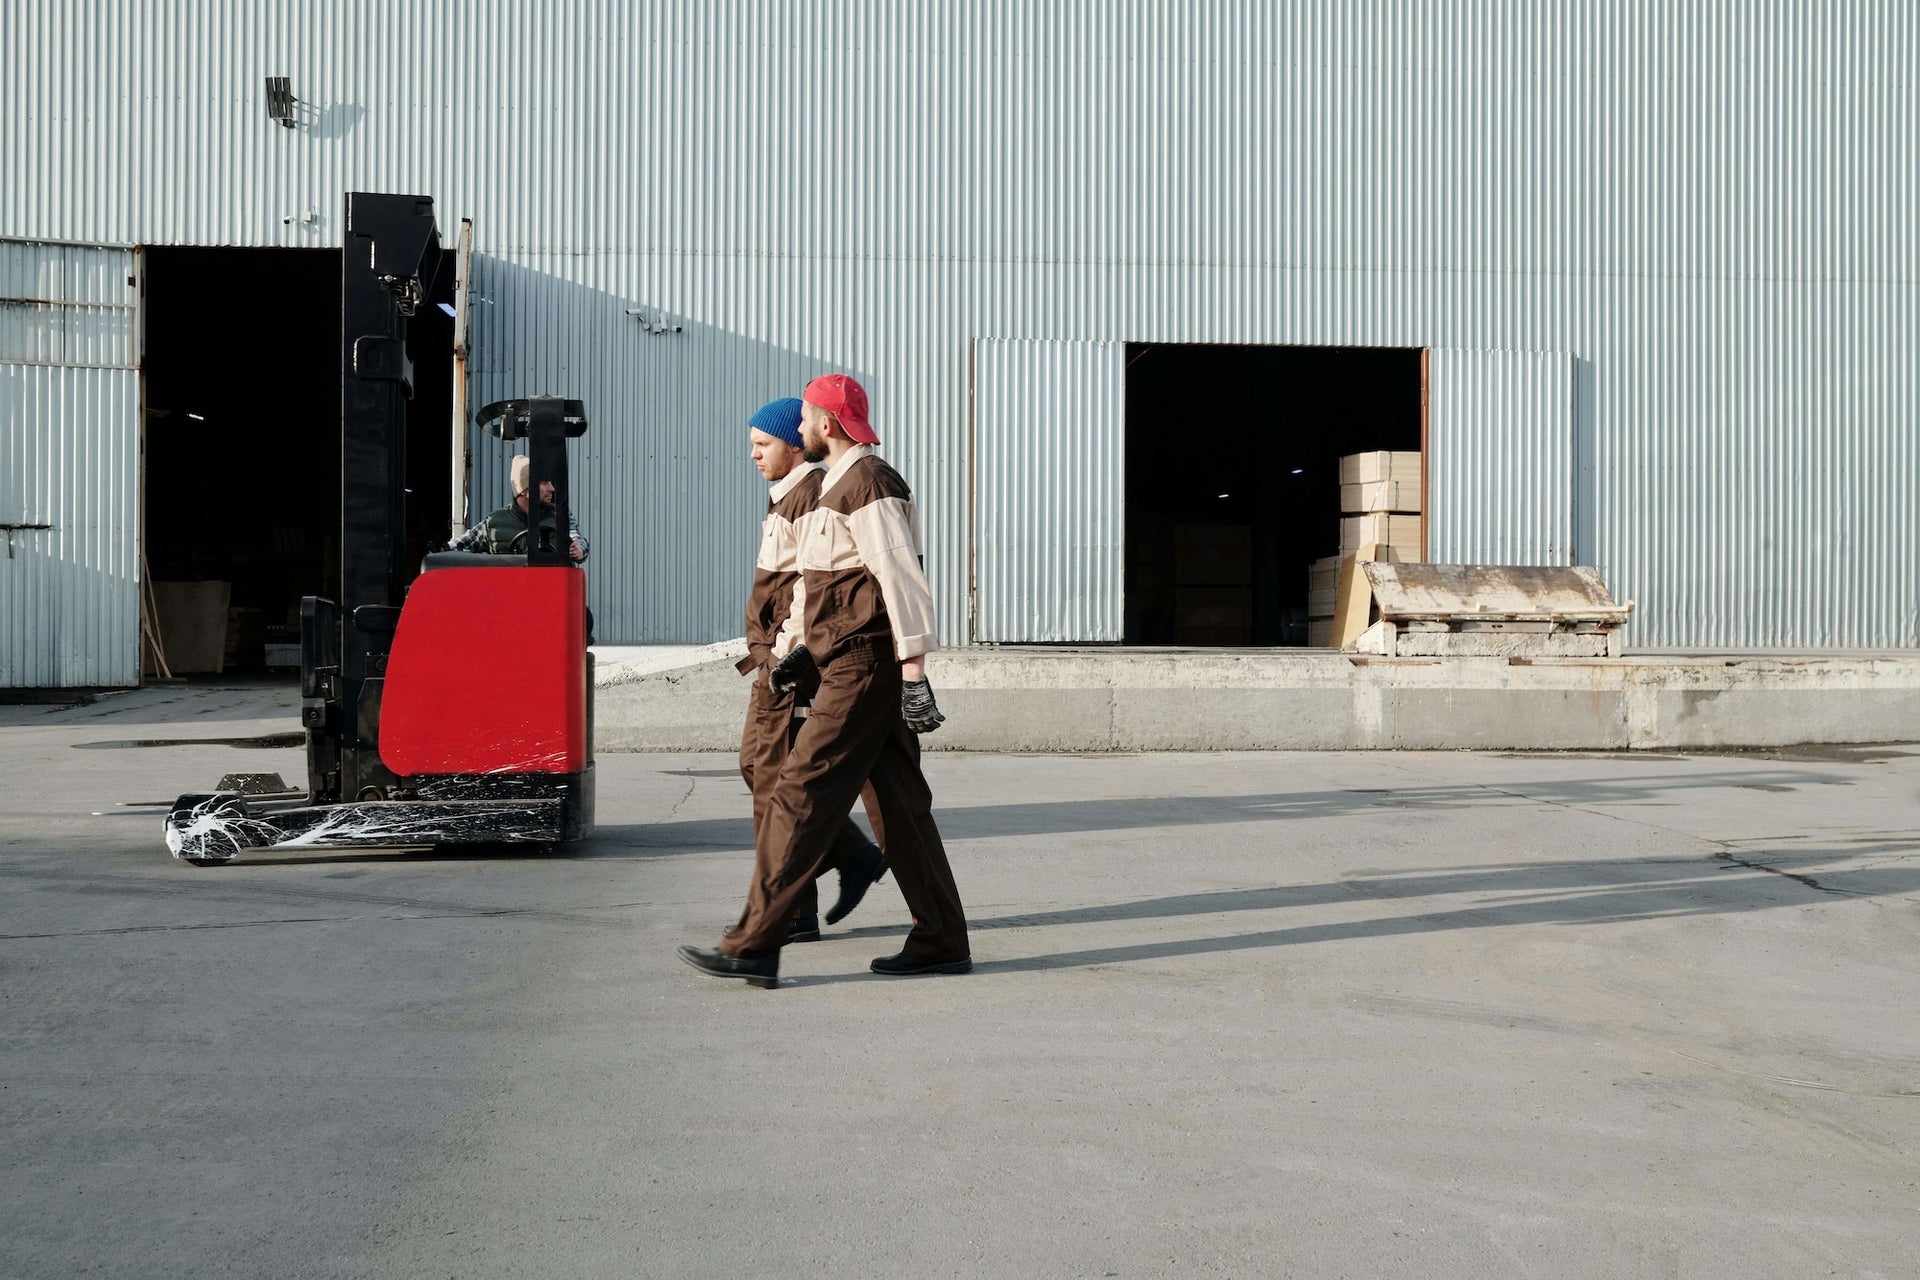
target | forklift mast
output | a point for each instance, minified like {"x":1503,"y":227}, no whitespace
{"x":391,"y":256}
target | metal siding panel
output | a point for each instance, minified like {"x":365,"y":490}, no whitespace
{"x":69,"y":596}
{"x":1709,"y":206}
{"x":1049,"y":453}
{"x":1500,"y":482}
{"x":62,"y":304}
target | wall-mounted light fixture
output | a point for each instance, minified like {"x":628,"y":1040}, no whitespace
{"x":658,"y":325}
{"x":280,"y":100}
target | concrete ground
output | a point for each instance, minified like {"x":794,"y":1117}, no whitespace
{"x":1316,"y":1015}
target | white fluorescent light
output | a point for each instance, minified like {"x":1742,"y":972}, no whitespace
{"x":198,"y":417}
{"x":448,"y":308}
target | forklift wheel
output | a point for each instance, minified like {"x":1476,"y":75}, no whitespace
{"x":206,"y":831}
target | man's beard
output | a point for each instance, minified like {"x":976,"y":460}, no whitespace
{"x":813,"y":452}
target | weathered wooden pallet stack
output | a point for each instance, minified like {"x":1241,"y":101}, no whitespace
{"x":1491,"y":610}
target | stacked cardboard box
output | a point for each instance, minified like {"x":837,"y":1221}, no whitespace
{"x":1380,"y":503}
{"x":1380,"y":507}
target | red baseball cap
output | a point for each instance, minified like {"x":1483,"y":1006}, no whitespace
{"x":846,"y":400}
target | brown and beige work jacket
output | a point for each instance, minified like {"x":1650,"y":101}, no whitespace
{"x":776,"y":570}
{"x":860,"y":574}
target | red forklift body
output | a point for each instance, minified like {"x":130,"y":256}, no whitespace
{"x":488,"y":674}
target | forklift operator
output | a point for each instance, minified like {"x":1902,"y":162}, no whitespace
{"x":505,"y":532}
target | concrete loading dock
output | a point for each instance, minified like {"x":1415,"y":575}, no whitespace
{"x":1093,"y":699}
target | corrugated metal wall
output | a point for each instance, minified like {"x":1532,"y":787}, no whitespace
{"x":69,"y":460}
{"x":66,"y":305}
{"x":1710,"y":206}
{"x":1500,"y":428}
{"x":1048,"y":480}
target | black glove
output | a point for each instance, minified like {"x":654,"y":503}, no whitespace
{"x":916,"y":706}
{"x":792,"y":671}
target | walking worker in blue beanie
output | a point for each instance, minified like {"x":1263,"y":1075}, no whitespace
{"x":774,"y":719}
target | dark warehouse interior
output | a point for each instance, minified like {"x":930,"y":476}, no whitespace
{"x":1232,"y":486}
{"x":241,"y":448}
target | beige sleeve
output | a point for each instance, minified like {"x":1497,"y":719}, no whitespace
{"x":795,"y":623}
{"x":884,"y":535}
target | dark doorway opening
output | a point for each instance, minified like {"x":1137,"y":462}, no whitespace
{"x":241,"y":455}
{"x":1233,"y":484}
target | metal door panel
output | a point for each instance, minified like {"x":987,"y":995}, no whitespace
{"x":1049,"y":453}
{"x":69,"y":467}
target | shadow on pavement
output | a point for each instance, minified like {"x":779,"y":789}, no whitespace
{"x":975,"y":822}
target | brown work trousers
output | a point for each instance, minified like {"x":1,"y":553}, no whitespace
{"x":765,"y":741}
{"x":853,"y":736}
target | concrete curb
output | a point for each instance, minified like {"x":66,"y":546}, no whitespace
{"x":1032,"y":699}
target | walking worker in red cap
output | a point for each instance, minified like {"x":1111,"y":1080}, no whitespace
{"x":863,"y":614}
{"x":773,"y":718}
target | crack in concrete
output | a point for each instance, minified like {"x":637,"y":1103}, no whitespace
{"x":530,"y":912}
{"x":171,"y":928}
{"x":1724,"y":849}
{"x":674,"y":809}
{"x":1726,"y":855}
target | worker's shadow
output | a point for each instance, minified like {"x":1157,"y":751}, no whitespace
{"x":1552,"y":889}
{"x":644,"y":840}
{"x":1477,"y":897}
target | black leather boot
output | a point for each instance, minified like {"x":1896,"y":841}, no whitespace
{"x":855,"y":881}
{"x":759,"y":971}
{"x":906,"y":966}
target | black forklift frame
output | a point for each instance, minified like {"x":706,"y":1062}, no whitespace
{"x":388,"y":265}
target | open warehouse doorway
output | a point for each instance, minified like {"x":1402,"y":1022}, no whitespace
{"x":241,"y":450}
{"x":1233,"y":479}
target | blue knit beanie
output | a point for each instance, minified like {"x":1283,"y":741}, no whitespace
{"x":781,"y":420}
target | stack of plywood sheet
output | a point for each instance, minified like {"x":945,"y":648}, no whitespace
{"x":1213,"y":584}
{"x":1380,"y":504}
{"x":1323,"y":592}
{"x":191,"y":619}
